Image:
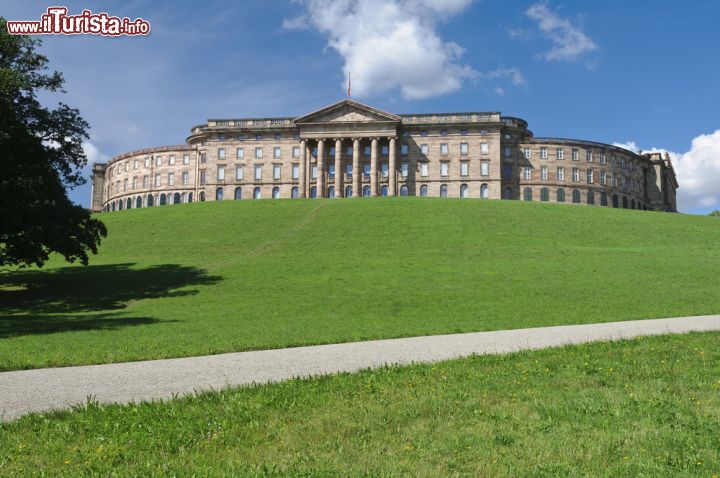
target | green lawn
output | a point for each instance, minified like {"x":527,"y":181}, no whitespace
{"x":238,"y":275}
{"x":645,"y":407}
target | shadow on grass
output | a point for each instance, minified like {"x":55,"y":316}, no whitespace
{"x":88,"y":298}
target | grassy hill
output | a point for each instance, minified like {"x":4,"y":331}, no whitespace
{"x":217,"y":277}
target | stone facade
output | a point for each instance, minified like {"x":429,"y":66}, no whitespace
{"x":349,"y":149}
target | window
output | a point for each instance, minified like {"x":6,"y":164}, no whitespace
{"x":528,"y":194}
{"x":171,"y":160}
{"x":146,"y":181}
{"x":134,"y":183}
{"x":575,"y":154}
{"x":507,"y":171}
{"x":313,"y":192}
{"x":296,"y":152}
{"x":294,"y":192}
{"x":295,"y":171}
{"x":543,"y":153}
{"x":238,"y":193}
{"x":484,"y":148}
{"x":590,"y":176}
{"x":527,"y":152}
{"x":384,"y":150}
{"x":127,"y":166}
{"x":508,"y":193}
{"x":423,"y":190}
{"x":603,"y":199}
{"x":576,"y":196}
{"x":171,"y":179}
{"x":203,"y":157}
{"x":221,"y":137}
{"x":443,"y":149}
{"x":240,"y":153}
{"x":158,"y":161}
{"x":157,"y":180}
{"x":443,"y":132}
{"x":277,"y":152}
{"x":423,"y":132}
{"x":424,"y":149}
{"x":349,"y":152}
{"x":603,"y":178}
{"x":404,"y":191}
{"x":276,"y":193}
{"x":443,"y":191}
{"x":444,"y":168}
{"x":463,"y":148}
{"x":219,"y":194}
{"x":384,"y":170}
{"x":331,"y":171}
{"x":366,"y":151}
{"x":404,"y":171}
{"x":366,"y":191}
{"x":464,"y":168}
{"x":404,"y":149}
{"x":589,"y":156}
{"x":258,"y":153}
{"x":186,"y":159}
{"x":147,"y":162}
{"x":424,"y":170}
{"x":276,"y":172}
{"x":348,"y":172}
{"x":313,"y":171}
{"x":603,"y":158}
{"x":313,"y":152}
{"x":463,"y":190}
{"x":484,"y":168}
{"x":239,"y":172}
{"x":384,"y":190}
{"x":544,"y":173}
{"x":135,"y":164}
{"x":622,"y":163}
{"x":576,"y":174}
{"x":258,"y":137}
{"x":257,"y":194}
{"x":221,"y":173}
{"x":484,"y":191}
{"x":560,"y":195}
{"x":544,"y":195}
{"x":125,"y":183}
{"x":560,"y":153}
{"x":527,"y":173}
{"x":591,"y":197}
{"x":258,"y":172}
{"x":508,"y":152}
{"x":185,"y":178}
{"x":278,"y":136}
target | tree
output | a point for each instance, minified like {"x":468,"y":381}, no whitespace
{"x":41,"y":155}
{"x":715,"y":213}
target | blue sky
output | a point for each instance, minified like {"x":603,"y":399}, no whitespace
{"x":643,"y":74}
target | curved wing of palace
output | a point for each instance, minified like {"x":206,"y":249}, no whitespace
{"x":349,"y":149}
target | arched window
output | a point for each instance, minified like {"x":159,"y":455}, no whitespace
{"x":313,"y":192}
{"x":576,"y":196}
{"x":202,"y":196}
{"x":113,"y":206}
{"x":508,"y":193}
{"x":615,"y":201}
{"x":443,"y":190}
{"x":603,"y":199}
{"x":384,"y":190}
{"x":561,"y":195}
{"x":257,"y":194}
{"x":150,"y":200}
{"x":544,"y":195}
{"x":138,"y":202}
{"x":527,"y":194}
{"x":463,"y":190}
{"x":238,"y":193}
{"x":366,"y":191}
{"x":294,"y":192}
{"x":176,"y":198}
{"x":423,"y":190}
{"x":591,"y":197}
{"x":128,"y":203}
{"x":348,"y":191}
{"x":219,"y":194}
{"x":404,"y":191}
{"x":276,"y":193}
{"x":163,"y":199}
{"x":331,"y":192}
{"x":484,"y":194}
{"x":120,"y":204}
{"x":625,"y":202}
{"x":189,"y":197}
{"x":632,"y":204}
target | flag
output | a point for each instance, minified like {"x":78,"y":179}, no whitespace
{"x":348,"y":85}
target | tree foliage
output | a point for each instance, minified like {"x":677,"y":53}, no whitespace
{"x":41,"y":155}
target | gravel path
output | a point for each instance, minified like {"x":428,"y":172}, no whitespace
{"x":27,"y":391}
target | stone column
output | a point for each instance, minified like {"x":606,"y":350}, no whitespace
{"x":302,"y":183}
{"x":308,"y":168}
{"x":374,"y":167}
{"x":321,"y":169}
{"x":338,"y":169}
{"x":357,"y":174}
{"x":392,"y":173}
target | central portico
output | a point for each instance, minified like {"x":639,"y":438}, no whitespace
{"x":343,"y":129}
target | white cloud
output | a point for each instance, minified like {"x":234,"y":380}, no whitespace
{"x":697,"y":171}
{"x":516,"y":77}
{"x":630,"y":146}
{"x":393,"y":44}
{"x":569,"y":41}
{"x":296,"y":23}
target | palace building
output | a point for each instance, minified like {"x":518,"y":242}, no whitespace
{"x":349,"y":150}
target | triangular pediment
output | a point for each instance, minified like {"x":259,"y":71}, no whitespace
{"x":347,"y":111}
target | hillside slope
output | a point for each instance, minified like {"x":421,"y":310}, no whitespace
{"x":216,"y":277}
